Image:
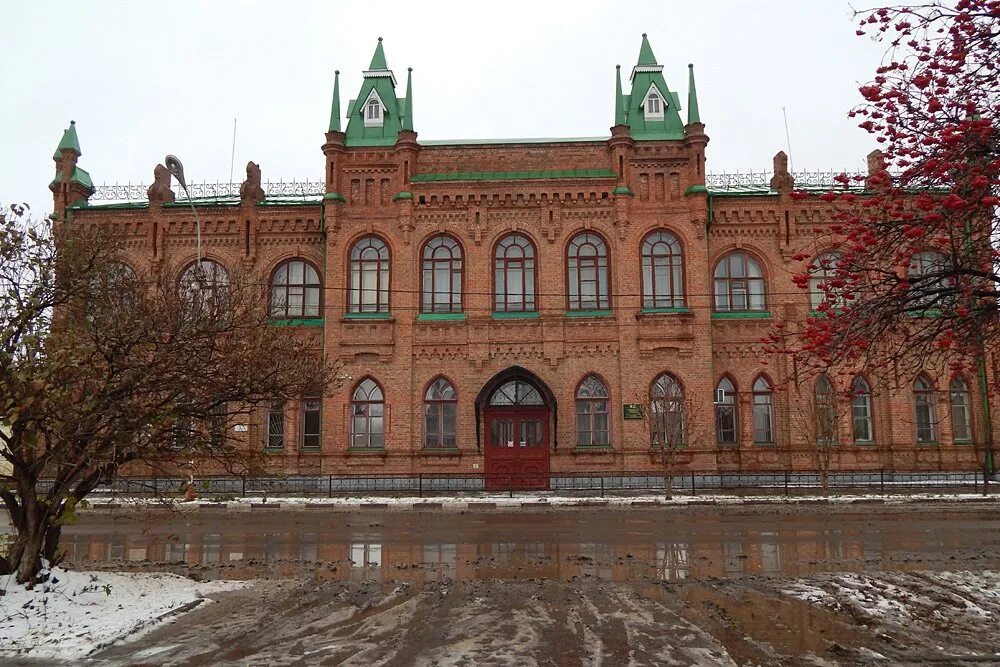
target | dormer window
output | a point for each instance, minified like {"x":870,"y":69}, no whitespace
{"x":654,"y":104}
{"x":373,"y":111}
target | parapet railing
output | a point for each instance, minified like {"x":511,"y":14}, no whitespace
{"x":136,"y":192}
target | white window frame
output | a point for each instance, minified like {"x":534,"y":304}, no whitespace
{"x":653,"y":90}
{"x":373,"y":122}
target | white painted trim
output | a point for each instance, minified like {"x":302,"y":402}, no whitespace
{"x":655,"y":69}
{"x":377,"y":73}
{"x":663,"y":103}
{"x":364,"y":110}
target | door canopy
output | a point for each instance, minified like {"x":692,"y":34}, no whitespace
{"x":512,"y":388}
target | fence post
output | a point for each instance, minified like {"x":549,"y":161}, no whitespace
{"x":786,"y":482}
{"x":243,"y":480}
{"x":602,"y":485}
{"x":510,"y":485}
{"x":420,"y":485}
{"x":329,"y":486}
{"x":881,"y":480}
{"x":692,"y":484}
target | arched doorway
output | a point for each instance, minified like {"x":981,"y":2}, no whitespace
{"x":517,"y":413}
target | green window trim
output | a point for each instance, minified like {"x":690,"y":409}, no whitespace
{"x":367,"y":316}
{"x":431,"y":317}
{"x":928,"y":443}
{"x":864,"y":443}
{"x":373,"y":451}
{"x":964,"y":442}
{"x":592,"y":449}
{"x":742,"y":315}
{"x":311,"y":450}
{"x":665,"y":311}
{"x":297,"y":322}
{"x":590,"y":313}
{"x":515,"y":315}
{"x":442,"y":451}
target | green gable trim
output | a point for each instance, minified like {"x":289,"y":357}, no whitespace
{"x":514,"y":175}
{"x":623,"y":190}
{"x":692,"y":189}
{"x":86,"y":206}
{"x":590,"y":313}
{"x":298,"y":322}
{"x":515,"y":315}
{"x":664,"y":311}
{"x":367,"y":316}
{"x":437,"y":317}
{"x":742,"y":315}
{"x":334,"y":196}
{"x":402,"y":195}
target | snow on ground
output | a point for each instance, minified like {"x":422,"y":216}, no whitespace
{"x":74,"y":613}
{"x":538,"y":498}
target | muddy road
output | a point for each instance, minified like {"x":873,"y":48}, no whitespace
{"x":765,"y":585}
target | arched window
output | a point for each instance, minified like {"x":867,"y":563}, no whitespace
{"x":205,"y":284}
{"x":924,"y":399}
{"x":587,"y":264}
{"x":725,"y":413}
{"x":763,"y":411}
{"x":514,"y":275}
{"x":653,"y":104}
{"x":822,"y":270}
{"x":442,"y":276}
{"x":739,"y":283}
{"x":367,"y":416}
{"x":666,"y":407}
{"x":861,"y":410}
{"x":826,"y":411}
{"x":440,"y":415}
{"x":592,"y":424}
{"x":374,"y":109}
{"x":961,"y":415}
{"x":295,"y":290}
{"x":369,"y":286}
{"x":662,"y":271}
{"x":516,"y":392}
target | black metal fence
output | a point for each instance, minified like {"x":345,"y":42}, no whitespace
{"x":881,"y":482}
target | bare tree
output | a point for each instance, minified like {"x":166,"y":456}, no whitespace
{"x":674,"y":424}
{"x":104,"y":368}
{"x":816,"y":412}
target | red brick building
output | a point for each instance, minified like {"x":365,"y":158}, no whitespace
{"x":541,"y":304}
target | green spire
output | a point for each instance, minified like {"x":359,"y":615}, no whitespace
{"x":335,"y":107}
{"x":378,"y":60}
{"x":646,"y":56}
{"x":619,"y":100}
{"x":69,"y":141}
{"x":407,"y":120}
{"x":693,"y":115}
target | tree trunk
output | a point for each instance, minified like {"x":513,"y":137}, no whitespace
{"x":26,"y":554}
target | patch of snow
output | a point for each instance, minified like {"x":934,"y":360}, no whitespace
{"x":75,"y":613}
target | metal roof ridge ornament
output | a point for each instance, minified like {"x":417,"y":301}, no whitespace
{"x":136,"y":192}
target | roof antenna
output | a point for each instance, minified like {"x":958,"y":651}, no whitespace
{"x":788,"y":142}
{"x":232,"y":156}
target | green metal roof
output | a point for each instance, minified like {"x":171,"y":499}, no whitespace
{"x":514,"y":175}
{"x":378,"y":60}
{"x":69,"y":141}
{"x":646,"y":56}
{"x":378,"y":79}
{"x":495,"y":142}
{"x":629,"y":108}
{"x":694,"y":116}
{"x":407,"y":121}
{"x":335,"y":106}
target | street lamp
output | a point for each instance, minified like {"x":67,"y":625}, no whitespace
{"x":176,"y":169}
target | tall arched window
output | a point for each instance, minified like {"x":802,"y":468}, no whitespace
{"x":763,"y":411}
{"x":442,"y":276}
{"x":592,"y":423}
{"x":861,"y":410}
{"x":587,"y":267}
{"x":739,"y":283}
{"x":961,"y":415}
{"x":374,"y":109}
{"x":367,"y":416}
{"x":653,"y":104}
{"x":205,"y":284}
{"x":440,"y":415}
{"x":666,"y":407}
{"x":514,"y":275}
{"x":662,"y":271}
{"x":295,"y":290}
{"x":725,"y":413}
{"x":925,"y":411}
{"x":822,"y":270}
{"x":825,"y":405}
{"x":369,"y":286}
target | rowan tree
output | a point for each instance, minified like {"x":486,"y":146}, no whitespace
{"x":103,"y":366}
{"x":916,"y":272}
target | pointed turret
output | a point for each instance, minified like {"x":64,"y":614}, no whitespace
{"x":378,"y":60}
{"x":620,"y":105}
{"x":377,"y":115}
{"x":646,"y":56}
{"x":335,"y":107}
{"x":693,"y":114}
{"x":69,"y":141}
{"x":407,"y":103}
{"x":651,"y":109}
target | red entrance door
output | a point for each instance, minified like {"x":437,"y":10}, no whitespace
{"x":517,"y":448}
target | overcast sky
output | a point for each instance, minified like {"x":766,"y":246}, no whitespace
{"x":144,"y":79}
